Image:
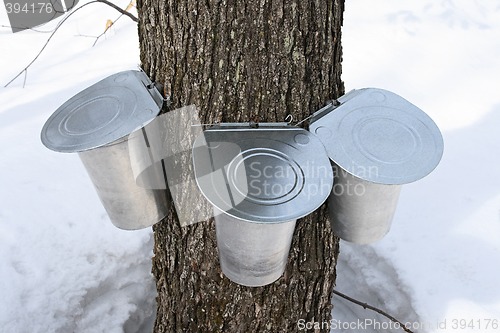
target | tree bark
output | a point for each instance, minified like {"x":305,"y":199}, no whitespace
{"x":241,"y":61}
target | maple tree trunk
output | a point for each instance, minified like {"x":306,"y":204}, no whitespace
{"x":241,"y":61}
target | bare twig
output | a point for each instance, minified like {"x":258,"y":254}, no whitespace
{"x":106,"y":30}
{"x":377,"y":310}
{"x":25,"y":70}
{"x":85,"y":36}
{"x":112,"y":23}
{"x":32,"y":29}
{"x":122,"y":11}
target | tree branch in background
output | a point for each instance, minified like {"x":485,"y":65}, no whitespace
{"x":32,"y":29}
{"x":377,"y":310}
{"x":110,"y":23}
{"x":122,"y":11}
{"x":25,"y":70}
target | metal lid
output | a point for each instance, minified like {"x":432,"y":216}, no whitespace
{"x":104,"y":112}
{"x":379,"y":137}
{"x":273,"y":173}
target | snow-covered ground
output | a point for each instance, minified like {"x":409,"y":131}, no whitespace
{"x":65,"y":268}
{"x":444,"y":246}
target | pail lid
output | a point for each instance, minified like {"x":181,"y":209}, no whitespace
{"x":104,"y":112}
{"x":379,"y":137}
{"x":270,"y":174}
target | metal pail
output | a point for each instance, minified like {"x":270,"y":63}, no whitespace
{"x":361,"y":211}
{"x":252,"y":254}
{"x":129,"y":206}
{"x":377,"y":141}
{"x":101,"y":123}
{"x":260,"y":181}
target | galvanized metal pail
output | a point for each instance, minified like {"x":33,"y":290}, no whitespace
{"x":377,"y":142}
{"x":252,"y":254}
{"x":361,"y":211}
{"x":260,"y":181}
{"x":101,"y":123}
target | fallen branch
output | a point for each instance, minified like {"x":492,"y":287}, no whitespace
{"x":377,"y":310}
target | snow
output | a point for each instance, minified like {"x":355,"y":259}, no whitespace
{"x":65,"y":268}
{"x":444,"y":244}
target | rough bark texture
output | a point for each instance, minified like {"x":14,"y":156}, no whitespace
{"x":241,"y":61}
